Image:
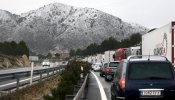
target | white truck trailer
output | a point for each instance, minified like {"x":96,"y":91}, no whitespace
{"x":99,"y":58}
{"x":108,"y":56}
{"x":160,"y":42}
{"x":133,"y":51}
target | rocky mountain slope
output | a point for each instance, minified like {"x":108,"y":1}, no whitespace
{"x":13,"y":62}
{"x":64,"y":27}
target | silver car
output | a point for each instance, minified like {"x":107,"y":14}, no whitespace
{"x":111,"y":69}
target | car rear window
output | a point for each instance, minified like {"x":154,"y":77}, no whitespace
{"x":113,"y":64}
{"x":150,"y":71}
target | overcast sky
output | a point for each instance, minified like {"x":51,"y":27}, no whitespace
{"x":149,"y":13}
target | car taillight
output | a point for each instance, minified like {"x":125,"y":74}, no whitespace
{"x":109,"y":70}
{"x":123,"y":84}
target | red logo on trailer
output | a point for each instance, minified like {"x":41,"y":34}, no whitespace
{"x":161,"y":49}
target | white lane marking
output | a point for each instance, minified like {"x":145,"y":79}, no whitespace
{"x":8,"y":84}
{"x":102,"y":92}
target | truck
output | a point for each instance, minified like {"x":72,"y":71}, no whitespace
{"x":119,"y":54}
{"x":160,"y":42}
{"x":108,"y":56}
{"x":133,"y":51}
{"x":99,"y":58}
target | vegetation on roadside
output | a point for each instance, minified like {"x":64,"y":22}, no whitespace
{"x":34,"y":92}
{"x":7,"y":62}
{"x":55,"y":88}
{"x":69,"y":78}
{"x":108,"y":44}
{"x":14,"y":49}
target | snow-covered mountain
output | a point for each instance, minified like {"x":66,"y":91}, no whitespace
{"x":65,"y":27}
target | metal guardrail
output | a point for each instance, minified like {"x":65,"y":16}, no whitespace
{"x":8,"y":77}
{"x":27,"y":69}
{"x":82,"y":89}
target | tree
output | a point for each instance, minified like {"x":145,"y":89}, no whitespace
{"x":125,"y":43}
{"x":104,"y":45}
{"x":79,"y":52}
{"x":22,"y":48}
{"x":109,"y":44}
{"x":72,"y":53}
{"x":113,"y":43}
{"x":57,"y":55}
{"x":7,"y":49}
{"x":13,"y":48}
{"x":13,"y":45}
{"x":49,"y":55}
{"x":135,"y":39}
{"x":41,"y":56}
{"x":92,"y":49}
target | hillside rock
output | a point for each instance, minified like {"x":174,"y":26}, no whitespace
{"x":64,"y":27}
{"x":24,"y":60}
{"x":13,"y":62}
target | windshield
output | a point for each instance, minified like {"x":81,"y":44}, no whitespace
{"x":113,"y":64}
{"x":149,"y":71}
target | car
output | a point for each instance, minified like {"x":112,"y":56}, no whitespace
{"x":92,"y":66}
{"x":96,"y":66}
{"x":110,"y":70}
{"x":102,"y":69}
{"x":144,"y":77}
{"x":46,"y":63}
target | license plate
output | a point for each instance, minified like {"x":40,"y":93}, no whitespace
{"x":151,"y":93}
{"x":109,"y":76}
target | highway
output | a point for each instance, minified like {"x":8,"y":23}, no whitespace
{"x":9,"y":81}
{"x":98,"y":89}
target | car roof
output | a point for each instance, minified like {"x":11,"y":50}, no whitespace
{"x":145,"y":58}
{"x":97,"y":63}
{"x":105,"y":62}
{"x":46,"y":60}
{"x":114,"y":61}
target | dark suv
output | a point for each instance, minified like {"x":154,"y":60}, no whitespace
{"x":144,"y":77}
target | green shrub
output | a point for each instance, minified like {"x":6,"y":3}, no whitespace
{"x":70,"y":77}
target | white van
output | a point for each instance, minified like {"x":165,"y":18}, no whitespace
{"x":46,"y":63}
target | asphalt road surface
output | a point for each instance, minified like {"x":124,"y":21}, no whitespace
{"x":98,"y":89}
